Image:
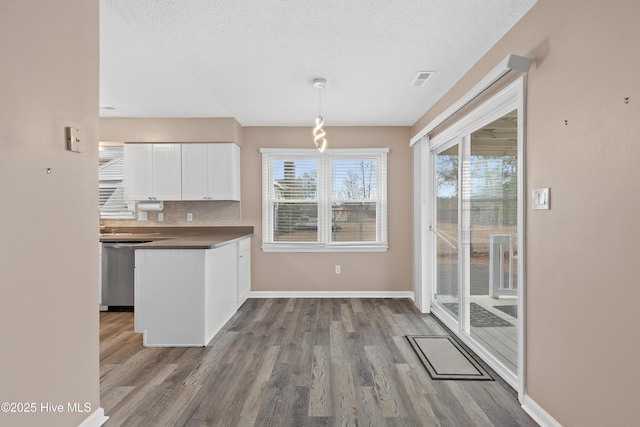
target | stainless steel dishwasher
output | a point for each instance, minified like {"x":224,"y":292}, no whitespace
{"x":118,"y":263}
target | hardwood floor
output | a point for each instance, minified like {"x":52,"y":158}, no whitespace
{"x":295,"y":362}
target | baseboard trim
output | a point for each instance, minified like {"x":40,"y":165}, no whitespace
{"x":538,"y":414}
{"x":96,"y":419}
{"x":331,"y":294}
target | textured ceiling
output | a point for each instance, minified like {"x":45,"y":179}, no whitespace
{"x":255,"y":60}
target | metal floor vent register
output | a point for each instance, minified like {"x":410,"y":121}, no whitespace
{"x":445,"y":359}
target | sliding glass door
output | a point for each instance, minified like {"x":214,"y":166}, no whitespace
{"x":476,"y":231}
{"x":446,"y":227}
{"x":493,"y":237}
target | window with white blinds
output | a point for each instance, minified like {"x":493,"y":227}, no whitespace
{"x":111,"y":186}
{"x":331,"y":201}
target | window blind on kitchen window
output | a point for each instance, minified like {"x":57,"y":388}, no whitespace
{"x":295,"y":200}
{"x":331,"y":201}
{"x":355,"y":202}
{"x":111,"y":183}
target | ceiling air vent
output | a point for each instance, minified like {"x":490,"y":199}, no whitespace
{"x":421,"y":78}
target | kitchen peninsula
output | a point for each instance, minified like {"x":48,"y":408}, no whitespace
{"x":189,"y":281}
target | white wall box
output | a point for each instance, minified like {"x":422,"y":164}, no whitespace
{"x":211,"y":171}
{"x":152,"y":171}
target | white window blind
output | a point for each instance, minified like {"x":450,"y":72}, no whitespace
{"x":111,"y":185}
{"x":295,"y":200}
{"x":331,"y":201}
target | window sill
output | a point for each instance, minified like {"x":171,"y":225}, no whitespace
{"x":304,"y":247}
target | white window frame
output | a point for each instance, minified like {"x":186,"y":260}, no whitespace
{"x":324,"y":199}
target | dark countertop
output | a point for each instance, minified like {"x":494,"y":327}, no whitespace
{"x":176,"y":237}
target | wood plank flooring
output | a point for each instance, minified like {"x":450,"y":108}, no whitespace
{"x":295,"y":362}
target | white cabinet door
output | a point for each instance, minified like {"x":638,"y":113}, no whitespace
{"x":244,"y":270}
{"x":224,"y":171}
{"x":220,"y":288}
{"x":152,"y":171}
{"x":167,"y":171}
{"x":138,"y":171}
{"x":211,"y":171}
{"x":99,"y":273}
{"x":195,"y":164}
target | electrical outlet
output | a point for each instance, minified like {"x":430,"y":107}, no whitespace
{"x":160,"y":217}
{"x":142,"y":216}
{"x":338,"y":270}
{"x":189,"y":217}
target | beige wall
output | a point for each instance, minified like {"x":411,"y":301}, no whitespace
{"x":582,"y":281}
{"x":388,"y":271}
{"x":48,"y":222}
{"x":170,"y":130}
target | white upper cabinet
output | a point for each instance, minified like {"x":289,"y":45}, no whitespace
{"x":138,"y":171}
{"x":194,"y":171}
{"x":152,"y":171}
{"x":211,"y":171}
{"x":167,"y":171}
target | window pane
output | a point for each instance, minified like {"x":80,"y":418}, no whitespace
{"x":446,"y":228}
{"x":295,"y":222}
{"x":111,"y":199}
{"x":354,"y":180}
{"x":493,"y":235}
{"x":353,"y":214}
{"x":295,"y":179}
{"x":111,"y":188}
{"x":353,"y":222}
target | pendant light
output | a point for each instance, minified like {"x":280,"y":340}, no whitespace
{"x":318,"y":132}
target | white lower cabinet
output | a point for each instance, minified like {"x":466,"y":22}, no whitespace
{"x":183,"y":297}
{"x":99,"y":273}
{"x":244,"y":270}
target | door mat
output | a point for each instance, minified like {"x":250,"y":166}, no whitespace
{"x":445,"y":359}
{"x":511,"y":310}
{"x":480,"y":317}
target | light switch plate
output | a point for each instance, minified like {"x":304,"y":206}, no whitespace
{"x":74,"y":140}
{"x":143,"y":216}
{"x":541,"y":199}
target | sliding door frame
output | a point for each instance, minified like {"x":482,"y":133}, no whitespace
{"x":513,"y":96}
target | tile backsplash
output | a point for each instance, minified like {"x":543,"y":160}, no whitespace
{"x":205,"y":213}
